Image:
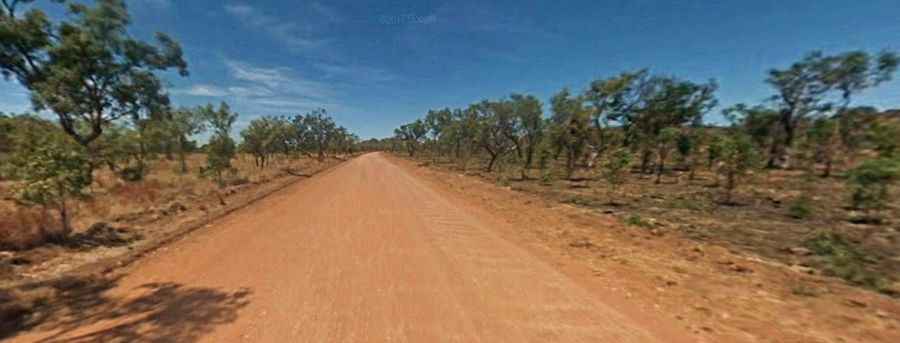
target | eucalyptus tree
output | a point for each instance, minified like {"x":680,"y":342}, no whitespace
{"x":317,"y":131}
{"x":808,"y":87}
{"x":738,"y":157}
{"x":497,"y":129}
{"x":530,"y":117}
{"x":852,"y":128}
{"x":615,"y":100}
{"x":85,"y":67}
{"x":260,"y":140}
{"x":50,"y":168}
{"x":758,"y":122}
{"x":665,"y":142}
{"x":437,"y":123}
{"x":669,"y":102}
{"x":182,"y":124}
{"x":221,"y":148}
{"x":412,"y":134}
{"x":570,"y":127}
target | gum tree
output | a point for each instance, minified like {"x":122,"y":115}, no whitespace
{"x":221,"y":147}
{"x":182,"y":124}
{"x":809,"y":87}
{"x":570,"y":127}
{"x":85,"y":68}
{"x":529,"y":114}
{"x":737,"y":158}
{"x":52,"y":171}
{"x":412,"y":134}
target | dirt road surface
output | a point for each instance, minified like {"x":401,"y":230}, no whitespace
{"x":363,"y":253}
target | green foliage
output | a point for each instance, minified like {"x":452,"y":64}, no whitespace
{"x":665,"y":141}
{"x":637,"y":220}
{"x":714,"y":151}
{"x":219,"y":152}
{"x":671,"y":102}
{"x":843,"y":259}
{"x":615,"y":170}
{"x":822,"y":142}
{"x":412,"y":134}
{"x":266,"y":136}
{"x":852,"y":126}
{"x":685,"y":145}
{"x":221,"y":147}
{"x":870,"y":183}
{"x":807,"y":86}
{"x":885,"y":139}
{"x":528,"y":111}
{"x":738,"y":157}
{"x":801,"y":208}
{"x":759,"y":122}
{"x":570,"y":128}
{"x":50,"y":173}
{"x":317,"y":131}
{"x":85,"y":68}
{"x":181,"y":125}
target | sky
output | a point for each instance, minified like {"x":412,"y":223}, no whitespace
{"x":374,"y":65}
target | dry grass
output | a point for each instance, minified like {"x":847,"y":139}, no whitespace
{"x":112,"y":198}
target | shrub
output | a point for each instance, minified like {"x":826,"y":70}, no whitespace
{"x":615,"y":169}
{"x":870,"y":183}
{"x":738,"y":156}
{"x":51,"y":175}
{"x":800,"y":208}
{"x":843,"y":259}
{"x":637,"y":220}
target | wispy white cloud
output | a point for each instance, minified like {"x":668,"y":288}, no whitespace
{"x":264,"y":89}
{"x":355,"y":73}
{"x":278,"y":79}
{"x":201,"y":90}
{"x":295,"y":37}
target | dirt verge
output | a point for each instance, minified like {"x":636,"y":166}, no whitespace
{"x":719,"y":293}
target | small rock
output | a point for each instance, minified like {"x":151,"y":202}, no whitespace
{"x":855,"y":303}
{"x":740,"y":269}
{"x":581,"y":243}
{"x":803,"y":270}
{"x":882,"y":314}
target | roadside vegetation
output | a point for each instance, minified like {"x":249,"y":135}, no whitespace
{"x":106,"y":145}
{"x":805,"y":177}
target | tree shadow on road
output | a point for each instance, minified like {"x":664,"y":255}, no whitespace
{"x":155,"y":312}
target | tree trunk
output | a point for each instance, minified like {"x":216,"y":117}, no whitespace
{"x":645,"y":161}
{"x":490,"y":166}
{"x":182,"y":159}
{"x":729,"y":187}
{"x":660,"y":168}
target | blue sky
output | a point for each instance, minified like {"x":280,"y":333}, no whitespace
{"x":376,"y":64}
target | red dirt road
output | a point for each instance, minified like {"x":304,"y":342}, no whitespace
{"x":363,"y":253}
